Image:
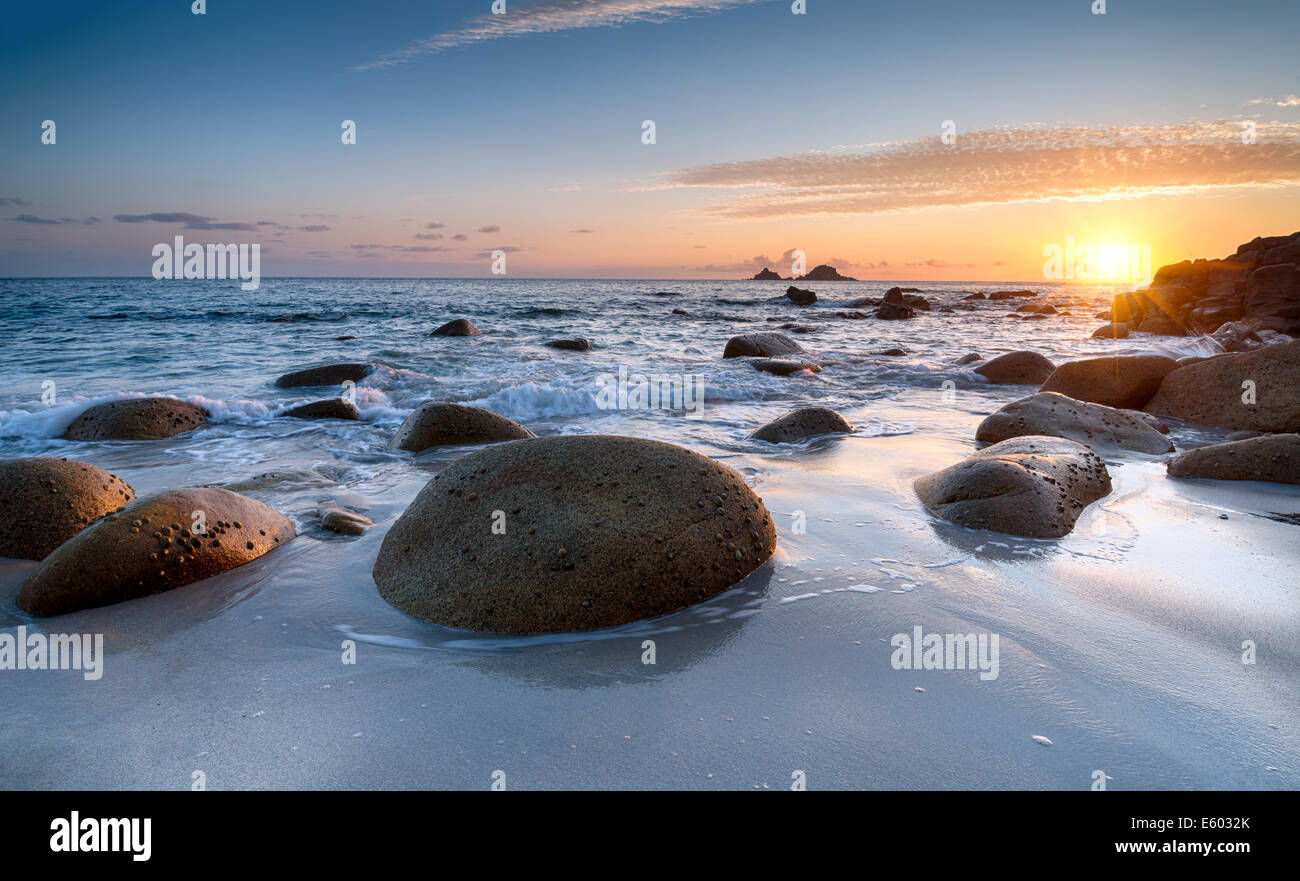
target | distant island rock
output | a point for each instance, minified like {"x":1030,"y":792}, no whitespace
{"x":766,"y":274}
{"x":824,"y":272}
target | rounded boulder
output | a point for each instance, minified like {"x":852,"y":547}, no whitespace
{"x":595,"y":531}
{"x":437,"y":423}
{"x":1016,"y":368}
{"x":136,"y":419}
{"x":802,"y":424}
{"x":46,"y":501}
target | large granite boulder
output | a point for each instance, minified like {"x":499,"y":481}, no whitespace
{"x":1274,"y":458}
{"x":329,"y":374}
{"x":1256,"y":391}
{"x":1126,"y":381}
{"x":1016,"y":368}
{"x":136,"y":419}
{"x":802,"y":424}
{"x":1029,"y":486}
{"x":1054,"y":415}
{"x":572,"y":533}
{"x":764,"y":344}
{"x":330,"y":408}
{"x":1110,"y":331}
{"x":438,"y":423}
{"x":149,"y":547}
{"x":45,"y":501}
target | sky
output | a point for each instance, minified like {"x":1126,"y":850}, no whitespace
{"x":524,"y":133}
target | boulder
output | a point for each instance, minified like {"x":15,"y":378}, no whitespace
{"x":1029,"y":486}
{"x":1050,"y":414}
{"x":45,"y":501}
{"x":1272,"y":294}
{"x":1016,"y":368}
{"x":149,"y":547}
{"x":598,"y":531}
{"x":765,"y":344}
{"x":1255,"y":391}
{"x":136,"y":419}
{"x":802,"y":424}
{"x":1110,"y":332}
{"x":969,"y":358}
{"x":1011,"y":295}
{"x":330,"y":374}
{"x":343,"y":521}
{"x":895,"y":311}
{"x":975,"y":296}
{"x":895,"y":352}
{"x":435,"y":423}
{"x":579,"y":344}
{"x":1274,"y":458}
{"x":1125,"y":381}
{"x":781,"y":367}
{"x":1159,"y":325}
{"x":330,"y":408}
{"x":800,"y":297}
{"x":457,"y":327}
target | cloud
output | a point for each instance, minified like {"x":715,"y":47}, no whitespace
{"x":582,"y":230}
{"x":434,"y":225}
{"x":488,"y":229}
{"x":1006,"y":165}
{"x":429,"y":236}
{"x":487,"y":255}
{"x":162,"y":217}
{"x":49,"y":221}
{"x":553,"y":17}
{"x":315,"y":227}
{"x":460,"y":237}
{"x":1284,"y":101}
{"x":401,"y":249}
{"x":208,"y":224}
{"x":12,"y":200}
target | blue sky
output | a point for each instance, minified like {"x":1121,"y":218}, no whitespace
{"x":234,"y":115}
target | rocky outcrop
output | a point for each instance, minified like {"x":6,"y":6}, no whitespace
{"x":1050,"y":414}
{"x":782,"y":367}
{"x":1256,"y":391}
{"x":1029,"y":486}
{"x":330,"y":374}
{"x":766,"y":274}
{"x":457,"y":327}
{"x":1274,"y":458}
{"x":595,"y":531}
{"x":895,"y":312}
{"x":330,"y":408}
{"x":765,"y":344}
{"x":800,"y":297}
{"x":46,"y":501}
{"x":580,"y":344}
{"x":803,"y":424}
{"x":151,"y":546}
{"x":436,"y":424}
{"x":824,"y":272}
{"x":1118,"y":381}
{"x":1016,"y":368}
{"x":1259,"y":282}
{"x":136,"y":419}
{"x":1011,"y":295}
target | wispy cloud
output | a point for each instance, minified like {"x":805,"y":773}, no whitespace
{"x":12,"y":200}
{"x":1284,"y":101}
{"x":50,"y":221}
{"x":552,"y":17}
{"x":1007,"y":165}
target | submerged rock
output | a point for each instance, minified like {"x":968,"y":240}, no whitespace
{"x":594,"y":531}
{"x":1126,"y":381}
{"x":457,"y":327}
{"x":1255,"y":391}
{"x":1054,"y":415}
{"x":330,"y":374}
{"x":437,"y":423}
{"x":764,"y":344}
{"x":343,"y":521}
{"x":1110,"y":331}
{"x":149,"y":547}
{"x":136,"y":419}
{"x":578,"y":344}
{"x":1029,"y":486}
{"x":782,"y":367}
{"x":1274,"y":458}
{"x":1016,"y":368}
{"x":895,"y":311}
{"x":46,"y":501}
{"x":969,"y":358}
{"x":330,"y":408}
{"x":802,"y":424}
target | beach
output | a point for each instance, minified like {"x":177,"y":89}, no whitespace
{"x":1121,"y":644}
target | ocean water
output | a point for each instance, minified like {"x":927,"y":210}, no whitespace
{"x":1115,"y":647}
